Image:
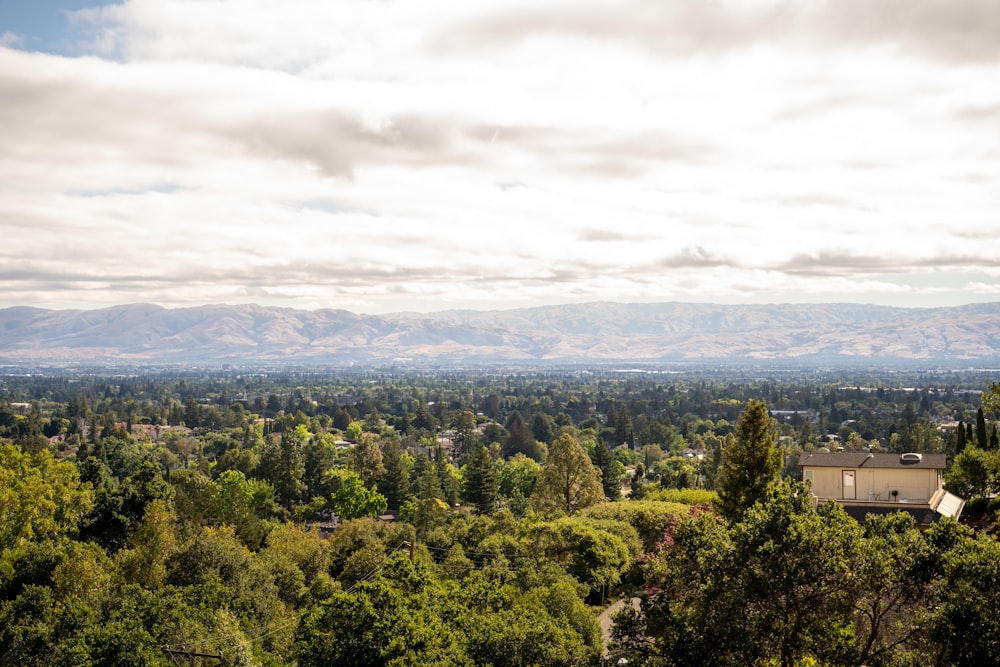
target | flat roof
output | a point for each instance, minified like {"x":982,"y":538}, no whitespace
{"x":868,"y":460}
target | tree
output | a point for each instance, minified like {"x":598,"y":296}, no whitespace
{"x":366,"y":459}
{"x":991,"y":397}
{"x":281,"y":464}
{"x":351,"y":499}
{"x":982,"y":441}
{"x":611,"y":471}
{"x":542,"y":427}
{"x":40,"y":499}
{"x":568,"y":481}
{"x":960,"y":441}
{"x":972,"y":473}
{"x":750,"y":462}
{"x":465,"y":426}
{"x":770,"y":588}
{"x":482,"y":484}
{"x":520,"y":439}
{"x":395,"y":481}
{"x":318,"y":455}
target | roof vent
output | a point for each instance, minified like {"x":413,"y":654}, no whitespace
{"x":911,"y":457}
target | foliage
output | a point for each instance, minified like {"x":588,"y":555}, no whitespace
{"x":750,"y":462}
{"x":650,"y":518}
{"x":568,"y":481}
{"x":155,"y":535}
{"x":683,"y":496}
{"x":39,"y":498}
{"x":482,"y":483}
{"x":974,"y":473}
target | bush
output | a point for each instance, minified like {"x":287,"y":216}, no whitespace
{"x":650,"y":518}
{"x":683,"y":496}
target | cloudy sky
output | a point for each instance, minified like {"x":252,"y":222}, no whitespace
{"x":386,"y":155}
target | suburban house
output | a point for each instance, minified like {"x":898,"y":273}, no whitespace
{"x":865,"y":483}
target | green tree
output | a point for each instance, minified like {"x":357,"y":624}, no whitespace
{"x":568,"y":481}
{"x":465,"y":430}
{"x":520,"y":439}
{"x":351,"y":499}
{"x":768,"y":588}
{"x":991,"y":397}
{"x":982,"y":441}
{"x":40,"y":499}
{"x":750,"y":462}
{"x":542,"y":427}
{"x":365,"y":458}
{"x":282,"y":465}
{"x":394,"y":483}
{"x":611,"y":471}
{"x":972,"y":474}
{"x":482,"y":483}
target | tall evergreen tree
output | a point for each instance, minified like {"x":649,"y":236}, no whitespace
{"x":482,"y":483}
{"x":611,"y":476}
{"x":750,"y":462}
{"x":394,"y":483}
{"x":981,"y":439}
{"x":994,"y":439}
{"x":428,"y":483}
{"x":520,"y":439}
{"x":960,"y":440}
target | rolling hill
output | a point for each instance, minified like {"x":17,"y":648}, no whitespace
{"x":661,"y":332}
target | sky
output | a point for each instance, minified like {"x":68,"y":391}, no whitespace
{"x":423,"y":155}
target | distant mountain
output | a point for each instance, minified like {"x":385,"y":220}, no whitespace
{"x":663,"y":332}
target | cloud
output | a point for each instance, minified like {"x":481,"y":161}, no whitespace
{"x":10,"y":39}
{"x":842,"y":263}
{"x":953,"y":30}
{"x":429,"y":154}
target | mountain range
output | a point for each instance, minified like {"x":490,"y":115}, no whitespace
{"x":601,"y":331}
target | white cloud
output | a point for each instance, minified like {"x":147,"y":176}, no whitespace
{"x":10,"y":39}
{"x":383,"y":156}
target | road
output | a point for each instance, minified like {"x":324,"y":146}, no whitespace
{"x":606,"y":622}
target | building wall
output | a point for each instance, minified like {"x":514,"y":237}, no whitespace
{"x":914,"y":485}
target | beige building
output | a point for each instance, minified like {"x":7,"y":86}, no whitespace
{"x":880,"y":478}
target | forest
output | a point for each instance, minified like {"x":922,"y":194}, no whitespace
{"x":485,"y":517}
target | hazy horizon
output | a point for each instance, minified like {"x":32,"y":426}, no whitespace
{"x":493,"y":309}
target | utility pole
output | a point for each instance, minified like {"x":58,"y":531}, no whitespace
{"x":193,"y":655}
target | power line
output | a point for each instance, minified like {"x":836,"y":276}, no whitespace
{"x":192,"y":655}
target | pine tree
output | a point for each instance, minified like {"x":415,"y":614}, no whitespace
{"x":611,"y":477}
{"x":428,"y":483}
{"x":394,"y":483}
{"x":981,"y":439}
{"x":482,"y":484}
{"x":994,"y":439}
{"x":750,"y":462}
